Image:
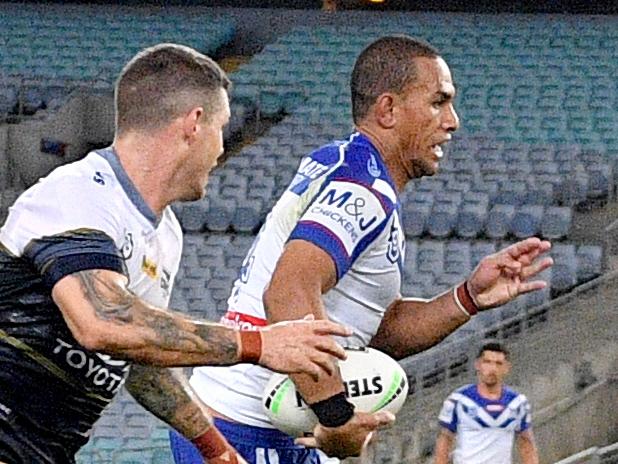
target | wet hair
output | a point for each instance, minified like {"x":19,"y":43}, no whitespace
{"x":163,"y":82}
{"x":494,"y":346}
{"x":386,"y":65}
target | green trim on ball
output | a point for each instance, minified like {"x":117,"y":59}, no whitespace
{"x":393,"y":391}
{"x":282,"y":388}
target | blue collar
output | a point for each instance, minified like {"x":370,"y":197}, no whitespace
{"x":109,"y":154}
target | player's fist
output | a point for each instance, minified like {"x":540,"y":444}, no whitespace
{"x":351,"y":438}
{"x":302,"y":346}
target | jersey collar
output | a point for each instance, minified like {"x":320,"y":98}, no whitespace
{"x":109,"y":154}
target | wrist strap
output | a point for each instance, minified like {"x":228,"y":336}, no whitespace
{"x":334,"y":411}
{"x":211,"y":444}
{"x":464,"y":300}
{"x":250,"y":346}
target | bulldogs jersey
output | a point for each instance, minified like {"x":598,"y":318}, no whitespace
{"x":84,"y":215}
{"x":343,"y":201}
{"x":484,"y":428}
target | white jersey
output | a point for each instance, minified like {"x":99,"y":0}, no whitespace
{"x":343,"y":201}
{"x":96,"y":194}
{"x":484,"y":428}
{"x":84,"y":215}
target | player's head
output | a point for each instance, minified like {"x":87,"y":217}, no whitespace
{"x":492,"y":364}
{"x":403,"y":89}
{"x":174,"y":89}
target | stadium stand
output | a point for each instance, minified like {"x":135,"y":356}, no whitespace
{"x":536,"y":98}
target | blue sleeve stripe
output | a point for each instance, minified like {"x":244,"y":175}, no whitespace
{"x":67,"y":265}
{"x":60,"y":255}
{"x":448,"y":425}
{"x":322,"y":237}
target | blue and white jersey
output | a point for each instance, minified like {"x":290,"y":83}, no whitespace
{"x":342,"y":200}
{"x":484,"y":428}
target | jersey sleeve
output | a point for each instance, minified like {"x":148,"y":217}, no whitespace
{"x":525,"y":419}
{"x":448,"y":415}
{"x":343,"y":219}
{"x":64,"y":226}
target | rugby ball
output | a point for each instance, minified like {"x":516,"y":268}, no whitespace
{"x":373,"y":382}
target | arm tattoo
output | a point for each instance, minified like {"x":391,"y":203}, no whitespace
{"x":167,"y":394}
{"x":110,"y":302}
{"x":165,"y":330}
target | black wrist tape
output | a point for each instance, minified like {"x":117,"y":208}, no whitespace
{"x":334,"y":411}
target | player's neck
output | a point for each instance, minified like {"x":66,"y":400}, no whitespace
{"x":389,"y":155}
{"x":490,"y":392}
{"x":145,"y":164}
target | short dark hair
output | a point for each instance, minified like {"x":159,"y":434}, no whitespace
{"x":386,"y":65}
{"x":164,"y":81}
{"x":494,"y":346}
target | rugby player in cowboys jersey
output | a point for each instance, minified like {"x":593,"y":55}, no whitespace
{"x":333,"y":245}
{"x":87,"y":259}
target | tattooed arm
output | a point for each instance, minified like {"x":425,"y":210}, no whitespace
{"x":104,"y":315}
{"x":166,"y":393}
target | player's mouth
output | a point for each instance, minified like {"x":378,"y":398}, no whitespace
{"x":437,"y":148}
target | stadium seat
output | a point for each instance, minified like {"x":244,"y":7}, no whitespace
{"x":556,"y":222}
{"x":499,"y":221}
{"x":526,"y":221}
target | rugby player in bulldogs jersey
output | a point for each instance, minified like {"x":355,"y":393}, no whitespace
{"x":333,"y":245}
{"x":88,"y":257}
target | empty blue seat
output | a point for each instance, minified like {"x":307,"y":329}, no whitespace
{"x":526,"y":221}
{"x":442,"y":220}
{"x":556,"y":222}
{"x":589,"y":262}
{"x":499,"y":221}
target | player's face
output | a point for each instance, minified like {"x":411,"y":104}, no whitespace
{"x":208,"y":147}
{"x":491,"y":368}
{"x":428,"y":116}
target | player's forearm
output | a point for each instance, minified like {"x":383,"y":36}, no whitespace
{"x":166,"y":394}
{"x":443,"y":449}
{"x":412,"y":325}
{"x":527,"y":448}
{"x":123,"y":325}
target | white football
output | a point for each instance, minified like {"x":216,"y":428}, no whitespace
{"x":373,"y":382}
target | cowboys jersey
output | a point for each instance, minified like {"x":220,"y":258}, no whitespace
{"x":342,"y":200}
{"x":84,"y":215}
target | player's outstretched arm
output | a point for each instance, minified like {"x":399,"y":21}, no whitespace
{"x":166,"y":393}
{"x":444,"y":446}
{"x":105,"y":316}
{"x":413,"y":325}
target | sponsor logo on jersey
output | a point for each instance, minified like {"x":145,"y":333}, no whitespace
{"x":92,"y":367}
{"x":149,"y":267}
{"x":165,"y":280}
{"x":98,"y":178}
{"x":349,"y":210}
{"x":308,"y":170}
{"x":372,"y":167}
{"x":494,"y":407}
{"x":126,"y":250}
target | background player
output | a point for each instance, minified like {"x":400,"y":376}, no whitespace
{"x":481,"y":420}
{"x":87,"y":261}
{"x":333,"y":246}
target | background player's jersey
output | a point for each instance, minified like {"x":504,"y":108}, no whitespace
{"x":84,"y":215}
{"x":485,"y":428}
{"x":343,"y":200}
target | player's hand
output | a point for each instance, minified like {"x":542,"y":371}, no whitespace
{"x":504,"y":275}
{"x":302,"y":346}
{"x":351,"y":438}
{"x":229,"y":457}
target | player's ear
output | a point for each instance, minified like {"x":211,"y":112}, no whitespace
{"x":190,"y":123}
{"x":384,"y":110}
